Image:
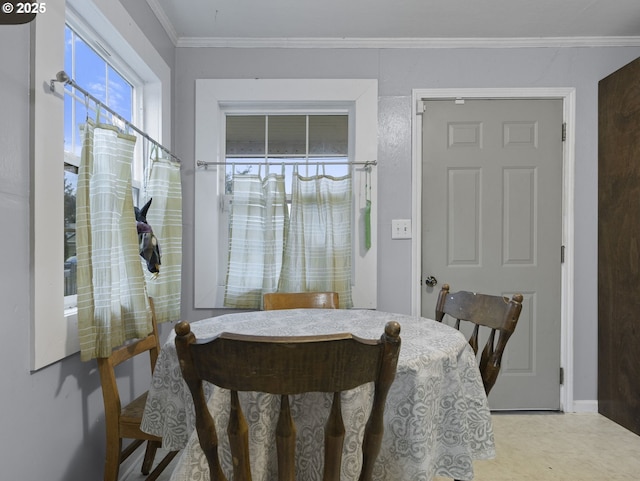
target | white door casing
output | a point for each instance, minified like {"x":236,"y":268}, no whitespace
{"x":567,"y":96}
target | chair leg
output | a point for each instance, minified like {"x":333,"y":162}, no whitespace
{"x":112,"y":460}
{"x":149,"y":455}
{"x":161,"y":466}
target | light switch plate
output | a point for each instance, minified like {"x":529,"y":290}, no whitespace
{"x":401,"y":229}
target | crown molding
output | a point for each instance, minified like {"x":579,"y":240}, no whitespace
{"x":383,"y":43}
{"x":162,"y":17}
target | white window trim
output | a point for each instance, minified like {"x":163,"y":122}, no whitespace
{"x":212,"y":96}
{"x":54,"y":336}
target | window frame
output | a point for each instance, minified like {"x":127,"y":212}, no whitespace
{"x":217,"y":97}
{"x":54,"y":335}
{"x":92,"y":40}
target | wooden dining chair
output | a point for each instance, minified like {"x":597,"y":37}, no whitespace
{"x":299,"y":300}
{"x":123,"y":422}
{"x":285,"y":366}
{"x":496,"y":313}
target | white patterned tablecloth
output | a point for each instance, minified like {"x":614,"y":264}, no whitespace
{"x":437,"y":420}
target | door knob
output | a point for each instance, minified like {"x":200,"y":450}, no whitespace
{"x":431,"y":281}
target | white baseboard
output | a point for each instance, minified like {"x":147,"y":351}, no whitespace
{"x":585,"y":406}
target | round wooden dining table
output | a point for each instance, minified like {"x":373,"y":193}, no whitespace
{"x":437,"y":420}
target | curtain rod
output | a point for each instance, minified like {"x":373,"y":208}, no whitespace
{"x":366,"y":163}
{"x":63,"y":78}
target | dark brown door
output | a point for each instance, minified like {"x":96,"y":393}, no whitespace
{"x":619,"y":247}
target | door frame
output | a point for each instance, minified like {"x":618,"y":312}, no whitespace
{"x":567,"y":94}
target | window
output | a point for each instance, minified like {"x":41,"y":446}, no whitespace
{"x":100,"y":79}
{"x":114,"y":35}
{"x":289,"y":138}
{"x":303,"y":121}
{"x":258,"y":256}
{"x":314,"y":143}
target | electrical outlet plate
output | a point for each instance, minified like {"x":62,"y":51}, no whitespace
{"x":401,"y":229}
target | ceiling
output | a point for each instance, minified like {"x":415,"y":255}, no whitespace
{"x":297,"y":22}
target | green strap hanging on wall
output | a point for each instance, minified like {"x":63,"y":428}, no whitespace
{"x":367,"y":210}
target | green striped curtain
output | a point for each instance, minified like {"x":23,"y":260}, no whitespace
{"x":276,"y":225}
{"x":317,"y":255}
{"x":258,"y":223}
{"x":165,"y":218}
{"x":112,"y":301}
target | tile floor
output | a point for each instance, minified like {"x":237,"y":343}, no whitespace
{"x":550,"y":447}
{"x":560,"y":447}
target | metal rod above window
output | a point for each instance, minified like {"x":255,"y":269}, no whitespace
{"x":63,"y":78}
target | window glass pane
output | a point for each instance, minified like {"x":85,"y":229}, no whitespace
{"x":68,"y":50}
{"x":90,"y":70}
{"x":328,"y":135}
{"x":245,"y":136}
{"x":119,"y":94}
{"x":287,"y":135}
{"x":245,"y":142}
{"x":70,"y":184}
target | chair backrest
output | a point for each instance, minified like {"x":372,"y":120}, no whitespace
{"x":285,"y":366}
{"x":106,"y":366}
{"x":496,"y":313}
{"x":298,"y":300}
{"x":123,"y":421}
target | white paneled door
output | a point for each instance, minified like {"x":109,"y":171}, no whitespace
{"x":492,"y":223}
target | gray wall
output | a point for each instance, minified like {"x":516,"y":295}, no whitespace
{"x":149,"y":24}
{"x":52,"y":420}
{"x":398,"y":72}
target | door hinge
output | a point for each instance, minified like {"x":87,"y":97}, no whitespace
{"x":561,"y":254}
{"x":564,"y":131}
{"x":561,"y":376}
